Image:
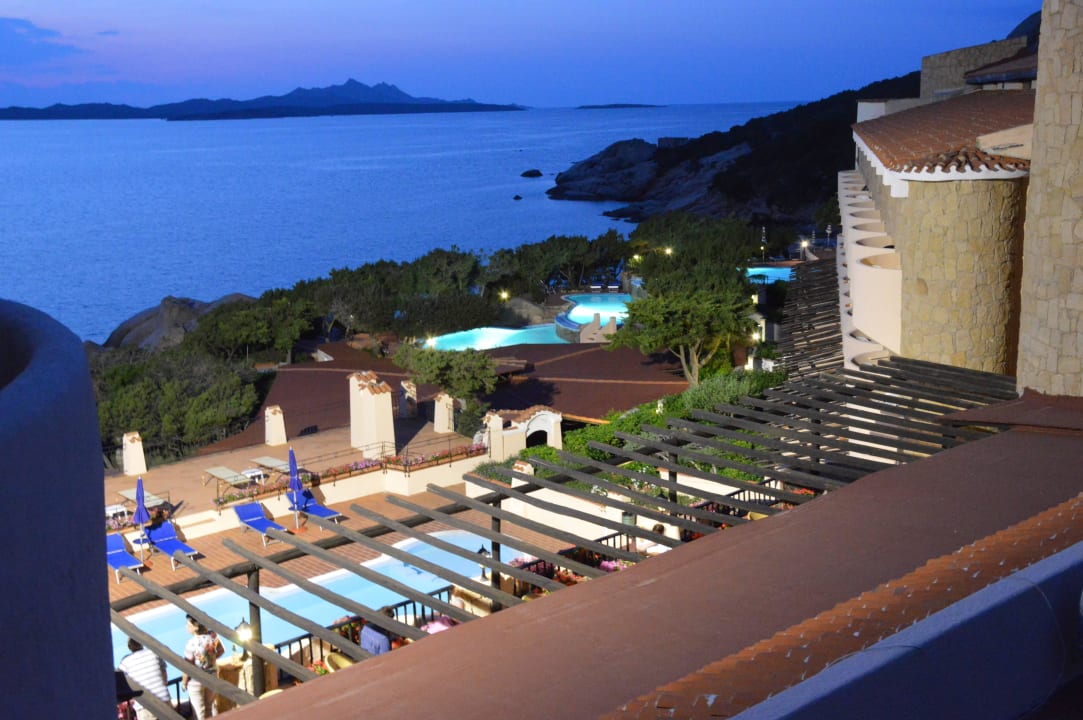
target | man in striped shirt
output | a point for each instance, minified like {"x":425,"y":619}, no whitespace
{"x":147,"y":669}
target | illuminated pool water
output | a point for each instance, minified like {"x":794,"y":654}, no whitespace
{"x":167,"y":625}
{"x":484,"y":338}
{"x":585,"y":306}
{"x":606,"y":305}
{"x":769,"y":274}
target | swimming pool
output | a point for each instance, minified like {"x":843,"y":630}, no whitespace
{"x":585,"y":306}
{"x":166,"y":624}
{"x":606,"y":305}
{"x":769,"y":274}
{"x":483,"y":338}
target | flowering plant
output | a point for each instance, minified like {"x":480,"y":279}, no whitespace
{"x":319,"y":668}
{"x":350,"y":469}
{"x":613,"y":565}
{"x":567,"y":577}
{"x":348,"y":627}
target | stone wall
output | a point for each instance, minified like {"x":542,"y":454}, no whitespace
{"x":943,"y":73}
{"x":1051,"y":344}
{"x":959,"y":244}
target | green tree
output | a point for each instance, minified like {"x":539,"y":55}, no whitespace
{"x":230,"y":331}
{"x":694,"y":326}
{"x":286,"y":321}
{"x":678,"y":252}
{"x":463,"y":374}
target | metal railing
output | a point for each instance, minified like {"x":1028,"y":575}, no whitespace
{"x":307,"y":650}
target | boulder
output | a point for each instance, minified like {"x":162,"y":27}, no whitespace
{"x":685,"y":187}
{"x":531,"y":173}
{"x":521,"y":311}
{"x":165,"y":326}
{"x":623,"y":171}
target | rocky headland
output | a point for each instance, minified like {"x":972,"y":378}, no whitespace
{"x":777,"y":168}
{"x":165,"y":326}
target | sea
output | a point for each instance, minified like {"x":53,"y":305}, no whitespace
{"x":100,"y":220}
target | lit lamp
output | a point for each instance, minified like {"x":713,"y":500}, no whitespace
{"x":669,"y":251}
{"x":431,"y":342}
{"x":244,"y":634}
{"x":484,"y":552}
{"x":804,"y":249}
{"x":504,"y":295}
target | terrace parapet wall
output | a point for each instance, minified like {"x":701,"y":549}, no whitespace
{"x":1051,"y":328}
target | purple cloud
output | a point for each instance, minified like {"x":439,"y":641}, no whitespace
{"x":22,"y":43}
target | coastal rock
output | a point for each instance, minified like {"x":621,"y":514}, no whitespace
{"x":685,"y":187}
{"x":165,"y":326}
{"x":623,"y":171}
{"x":532,"y":173}
{"x":521,"y":311}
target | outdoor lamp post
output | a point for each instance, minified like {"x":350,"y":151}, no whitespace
{"x":804,"y":249}
{"x":484,"y":552}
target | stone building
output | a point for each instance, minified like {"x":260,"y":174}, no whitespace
{"x":933,"y":215}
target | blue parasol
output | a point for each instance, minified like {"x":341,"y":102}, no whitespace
{"x":296,"y":489}
{"x":140,"y":517}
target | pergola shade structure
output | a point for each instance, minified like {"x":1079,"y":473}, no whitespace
{"x":715,"y":470}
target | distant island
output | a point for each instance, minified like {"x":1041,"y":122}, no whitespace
{"x":349,"y":98}
{"x":616,"y":106}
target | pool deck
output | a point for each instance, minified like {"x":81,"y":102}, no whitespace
{"x":194,"y":505}
{"x":580,"y":381}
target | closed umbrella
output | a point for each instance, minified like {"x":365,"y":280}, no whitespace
{"x":296,"y":489}
{"x":141,"y":517}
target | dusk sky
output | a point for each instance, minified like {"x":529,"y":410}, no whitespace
{"x":552,"y":53}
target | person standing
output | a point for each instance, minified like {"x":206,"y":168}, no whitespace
{"x":147,"y":669}
{"x":202,"y":650}
{"x":374,"y":639}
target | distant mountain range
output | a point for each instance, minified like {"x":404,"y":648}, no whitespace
{"x":349,"y":98}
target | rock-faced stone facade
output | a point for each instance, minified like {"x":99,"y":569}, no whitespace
{"x":1051,"y":328}
{"x":960,"y":245}
{"x":944,"y":72}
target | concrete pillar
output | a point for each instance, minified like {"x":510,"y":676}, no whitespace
{"x":523,"y":467}
{"x":495,"y":424}
{"x":372,"y":421}
{"x":132,"y":457}
{"x":274,"y":426}
{"x":443,"y":417}
{"x":407,"y":399}
{"x":556,"y":435}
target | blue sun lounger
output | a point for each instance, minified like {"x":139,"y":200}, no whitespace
{"x":163,"y":538}
{"x":117,"y":555}
{"x":309,"y":506}
{"x":251,"y":516}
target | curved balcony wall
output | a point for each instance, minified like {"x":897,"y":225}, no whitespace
{"x":872,"y":246}
{"x":59,"y":662}
{"x":876,"y":288}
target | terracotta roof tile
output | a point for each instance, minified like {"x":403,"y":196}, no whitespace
{"x":944,"y":135}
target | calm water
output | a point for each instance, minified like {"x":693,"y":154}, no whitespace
{"x":101,"y":219}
